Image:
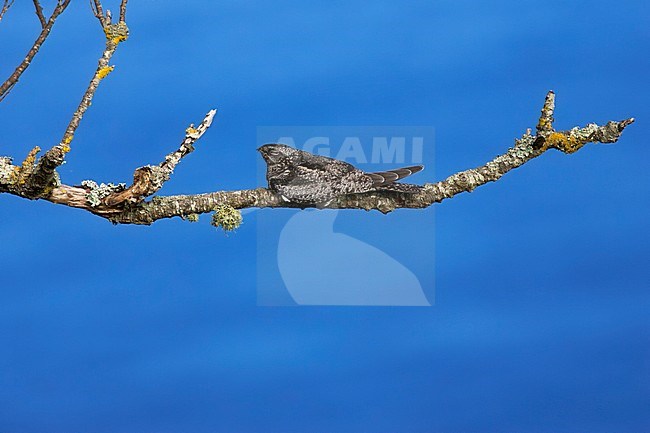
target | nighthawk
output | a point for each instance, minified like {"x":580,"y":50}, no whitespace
{"x":306,"y":179}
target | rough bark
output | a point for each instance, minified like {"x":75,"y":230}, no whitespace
{"x":128,"y":206}
{"x":132,"y":205}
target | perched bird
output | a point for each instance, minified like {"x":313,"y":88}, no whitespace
{"x":304,"y":178}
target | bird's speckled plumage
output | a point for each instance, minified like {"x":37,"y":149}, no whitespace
{"x":304,"y":178}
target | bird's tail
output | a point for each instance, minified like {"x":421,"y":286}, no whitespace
{"x":383,"y":179}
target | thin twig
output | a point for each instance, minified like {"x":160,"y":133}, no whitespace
{"x":39,"y":13}
{"x":545,"y":124}
{"x":123,"y":11}
{"x":115,"y":33}
{"x":53,"y":158}
{"x":15,"y":76}
{"x":93,"y":198}
{"x":5,"y":7}
{"x":96,"y":6}
{"x":150,"y":179}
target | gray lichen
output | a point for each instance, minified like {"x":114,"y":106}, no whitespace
{"x":193,"y":217}
{"x":226,"y":217}
{"x":57,"y":180}
{"x":117,"y":32}
{"x":225,"y":204}
{"x":6,"y":169}
{"x":96,"y":192}
{"x":524,"y":145}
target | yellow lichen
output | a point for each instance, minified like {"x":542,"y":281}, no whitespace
{"x":564,"y":142}
{"x":191,"y":130}
{"x":103,"y":72}
{"x":31,"y":157}
{"x":20,"y":174}
{"x":116,"y":33}
{"x":544,"y":124}
{"x":65,"y":144}
{"x":15,"y":176}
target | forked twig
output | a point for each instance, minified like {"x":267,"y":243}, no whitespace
{"x":44,"y":173}
{"x":5,"y":7}
{"x":39,"y":13}
{"x":129,"y":205}
{"x":10,"y":82}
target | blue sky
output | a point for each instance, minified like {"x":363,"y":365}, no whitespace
{"x":540,"y":322}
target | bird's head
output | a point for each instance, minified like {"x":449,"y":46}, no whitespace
{"x":274,"y":153}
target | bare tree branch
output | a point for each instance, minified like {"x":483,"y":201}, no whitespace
{"x":44,"y":173}
{"x":5,"y":7}
{"x":123,"y":10}
{"x":123,"y":205}
{"x":10,"y":82}
{"x":149,"y":179}
{"x":115,"y":33}
{"x":545,"y":124}
{"x":129,"y":205}
{"x":96,"y":6}
{"x":39,"y":13}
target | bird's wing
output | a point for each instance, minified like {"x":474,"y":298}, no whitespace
{"x":318,"y":162}
{"x":383,"y":178}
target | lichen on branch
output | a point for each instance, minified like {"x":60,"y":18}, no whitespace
{"x":128,"y":205}
{"x":135,"y":205}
